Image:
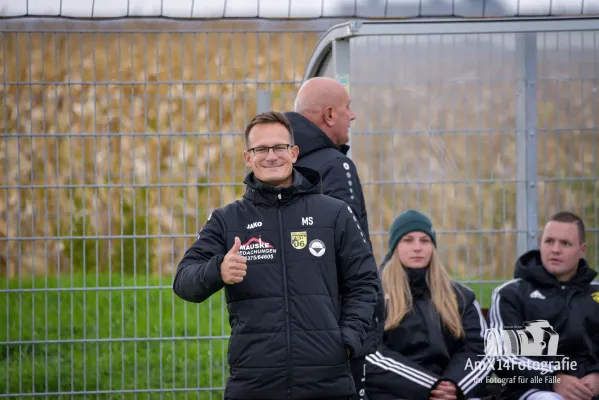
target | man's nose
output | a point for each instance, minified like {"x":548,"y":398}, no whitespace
{"x":556,"y":248}
{"x":270,"y":155}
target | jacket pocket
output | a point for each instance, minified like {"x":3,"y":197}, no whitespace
{"x":341,"y":346}
{"x":232,"y":309}
{"x":233,"y":350}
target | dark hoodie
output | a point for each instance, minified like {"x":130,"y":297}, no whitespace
{"x":339,"y":174}
{"x":572,"y":310}
{"x":340,"y":180}
{"x":289,"y":327}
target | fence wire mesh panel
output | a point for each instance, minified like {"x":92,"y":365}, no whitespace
{"x":447,"y":124}
{"x":568,"y":129}
{"x":116,"y":145}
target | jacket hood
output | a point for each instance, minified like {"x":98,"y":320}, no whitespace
{"x":529,"y":267}
{"x":310,"y":138}
{"x":305,"y":181}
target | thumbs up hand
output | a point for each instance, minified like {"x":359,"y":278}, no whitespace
{"x":234,"y":266}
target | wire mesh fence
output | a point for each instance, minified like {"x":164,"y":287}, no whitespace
{"x":118,"y":143}
{"x":115,"y":148}
{"x":469,"y":128}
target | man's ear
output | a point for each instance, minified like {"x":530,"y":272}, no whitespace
{"x":294,"y":154}
{"x":583,"y":250}
{"x":247,"y":158}
{"x":328,"y":115}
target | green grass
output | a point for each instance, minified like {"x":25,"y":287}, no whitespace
{"x":106,"y":333}
{"x":92,"y":254}
{"x":109,"y":340}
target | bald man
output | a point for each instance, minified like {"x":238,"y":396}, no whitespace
{"x":321,"y":122}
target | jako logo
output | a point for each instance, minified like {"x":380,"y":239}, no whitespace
{"x":254,"y":225}
{"x":537,"y":338}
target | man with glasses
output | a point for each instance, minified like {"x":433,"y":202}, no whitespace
{"x":300,"y":281}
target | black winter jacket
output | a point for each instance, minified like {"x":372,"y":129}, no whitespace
{"x":340,"y":180}
{"x":416,"y":355}
{"x":309,"y":292}
{"x":572,"y":310}
{"x":339,"y":174}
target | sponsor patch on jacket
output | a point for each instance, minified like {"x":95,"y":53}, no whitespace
{"x":595,"y":296}
{"x":299,"y":240}
{"x":257,"y":249}
{"x":317,"y":248}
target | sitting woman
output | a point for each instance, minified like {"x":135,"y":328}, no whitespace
{"x":433,"y":343}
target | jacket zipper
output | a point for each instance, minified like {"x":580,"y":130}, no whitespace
{"x":285,"y":294}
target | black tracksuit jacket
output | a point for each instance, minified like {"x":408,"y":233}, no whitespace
{"x":416,"y":355}
{"x":310,"y":289}
{"x":571,"y":308}
{"x":339,"y":174}
{"x":340,"y":180}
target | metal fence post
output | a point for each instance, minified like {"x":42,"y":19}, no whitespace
{"x":263,"y":101}
{"x":526,"y":139}
{"x":341,"y":66}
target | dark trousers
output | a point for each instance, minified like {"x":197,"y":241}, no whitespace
{"x":358,"y":370}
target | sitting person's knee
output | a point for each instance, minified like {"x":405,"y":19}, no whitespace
{"x":540,"y":395}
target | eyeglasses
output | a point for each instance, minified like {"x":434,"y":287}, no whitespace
{"x":277,"y":149}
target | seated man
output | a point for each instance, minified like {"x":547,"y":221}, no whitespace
{"x":552,"y":306}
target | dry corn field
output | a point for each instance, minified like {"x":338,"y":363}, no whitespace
{"x":445,"y":110}
{"x":118,"y":145}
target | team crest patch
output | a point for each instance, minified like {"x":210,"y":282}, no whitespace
{"x":595,"y":296}
{"x":317,"y":248}
{"x":299,"y":240}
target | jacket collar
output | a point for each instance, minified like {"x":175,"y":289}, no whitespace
{"x":416,"y":277}
{"x":529,"y":267}
{"x":310,"y":138}
{"x":417,"y":280}
{"x":305,"y":181}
